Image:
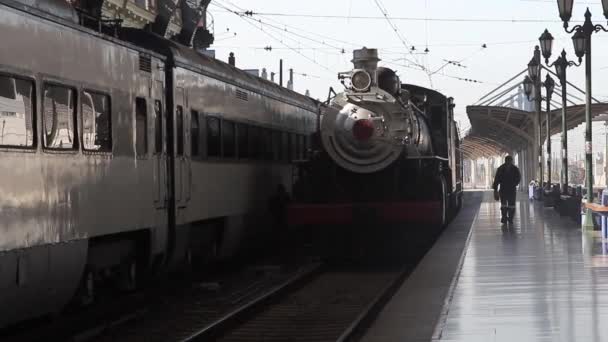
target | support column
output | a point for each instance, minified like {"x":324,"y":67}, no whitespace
{"x":606,"y":154}
{"x":548,"y":125}
{"x":488,"y":174}
{"x":533,"y":165}
{"x":523,"y":167}
{"x":539,"y":140}
{"x":588,"y":224}
{"x":474,"y":173}
{"x":564,"y":177}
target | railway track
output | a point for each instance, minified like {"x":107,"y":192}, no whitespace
{"x":314,"y":302}
{"x":177,"y":318}
{"x":296,"y":301}
{"x":333,"y":305}
{"x":167,"y":312}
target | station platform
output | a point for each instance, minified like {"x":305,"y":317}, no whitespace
{"x":541,"y":279}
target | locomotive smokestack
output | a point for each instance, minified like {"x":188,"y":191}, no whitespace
{"x":290,"y":82}
{"x":366,"y":59}
{"x":281,"y":72}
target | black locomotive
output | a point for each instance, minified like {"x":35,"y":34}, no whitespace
{"x":384,"y":150}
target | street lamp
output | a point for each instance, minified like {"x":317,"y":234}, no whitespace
{"x":561,"y":64}
{"x":582,"y":47}
{"x":528,"y":86}
{"x":533,"y":84}
{"x":534,"y":69}
{"x":580,"y":44}
{"x":546,"y":44}
{"x":565,"y":10}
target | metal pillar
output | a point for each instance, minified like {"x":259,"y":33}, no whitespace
{"x":488,"y":181}
{"x":588,"y":224}
{"x":606,"y":154}
{"x":539,"y":131}
{"x":564,"y":175}
{"x":548,"y":119}
{"x":474,"y":173}
{"x":532,"y":166}
{"x":522,"y":168}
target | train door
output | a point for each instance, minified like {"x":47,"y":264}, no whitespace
{"x":160,"y":159}
{"x":160,"y":149}
{"x":451,"y":143}
{"x":183,"y":178}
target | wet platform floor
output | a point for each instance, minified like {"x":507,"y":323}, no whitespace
{"x":541,"y":279}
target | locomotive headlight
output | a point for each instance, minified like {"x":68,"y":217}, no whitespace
{"x":361,"y":80}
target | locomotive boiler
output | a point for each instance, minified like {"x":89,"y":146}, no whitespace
{"x":384,"y":150}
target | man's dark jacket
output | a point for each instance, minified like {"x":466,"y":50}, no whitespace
{"x":508,"y":177}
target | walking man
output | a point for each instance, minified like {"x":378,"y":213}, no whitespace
{"x":508,"y":177}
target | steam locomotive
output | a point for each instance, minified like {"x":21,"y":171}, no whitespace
{"x":386,"y":153}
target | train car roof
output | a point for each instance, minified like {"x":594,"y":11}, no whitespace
{"x":169,"y":50}
{"x":66,"y":16}
{"x":416,"y":90}
{"x":190,"y":59}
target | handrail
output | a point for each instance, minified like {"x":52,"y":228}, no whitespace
{"x":100,"y":22}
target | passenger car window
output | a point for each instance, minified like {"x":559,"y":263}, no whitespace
{"x":301,"y":146}
{"x":16,"y":112}
{"x":242,"y":140}
{"x":228,"y":138}
{"x":255,"y":145}
{"x":59,"y":117}
{"x":214,"y":147}
{"x":276,"y":146}
{"x":96,"y":122}
{"x":141,"y":126}
{"x":158,"y":127}
{"x":267,"y":141}
{"x":284,"y":146}
{"x":293,"y":155}
{"x":179,"y":115}
{"x":194,"y":133}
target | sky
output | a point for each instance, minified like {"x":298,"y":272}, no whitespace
{"x":451,"y":30}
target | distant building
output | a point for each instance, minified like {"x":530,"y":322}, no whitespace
{"x":139,"y":13}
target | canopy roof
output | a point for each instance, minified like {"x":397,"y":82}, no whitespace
{"x":503,"y":120}
{"x":498,"y":130}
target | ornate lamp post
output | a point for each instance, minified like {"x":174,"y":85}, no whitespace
{"x":561,"y":65}
{"x":582,"y":47}
{"x":533,"y":84}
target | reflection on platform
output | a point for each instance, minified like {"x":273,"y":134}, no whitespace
{"x":595,"y":249}
{"x":531,"y":281}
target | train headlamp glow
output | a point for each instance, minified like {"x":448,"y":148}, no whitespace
{"x":361,"y":80}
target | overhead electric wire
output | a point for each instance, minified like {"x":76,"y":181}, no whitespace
{"x":282,"y":29}
{"x":248,"y":14}
{"x":396,"y":30}
{"x":298,"y":28}
{"x":367,"y":17}
{"x":271,"y":36}
{"x":442,"y":74}
{"x":329,"y":47}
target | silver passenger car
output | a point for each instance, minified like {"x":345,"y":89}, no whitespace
{"x":121,"y":157}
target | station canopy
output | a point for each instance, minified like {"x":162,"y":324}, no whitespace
{"x":502,"y":121}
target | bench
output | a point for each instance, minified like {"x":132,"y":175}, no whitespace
{"x":601,"y":210}
{"x":569,"y":206}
